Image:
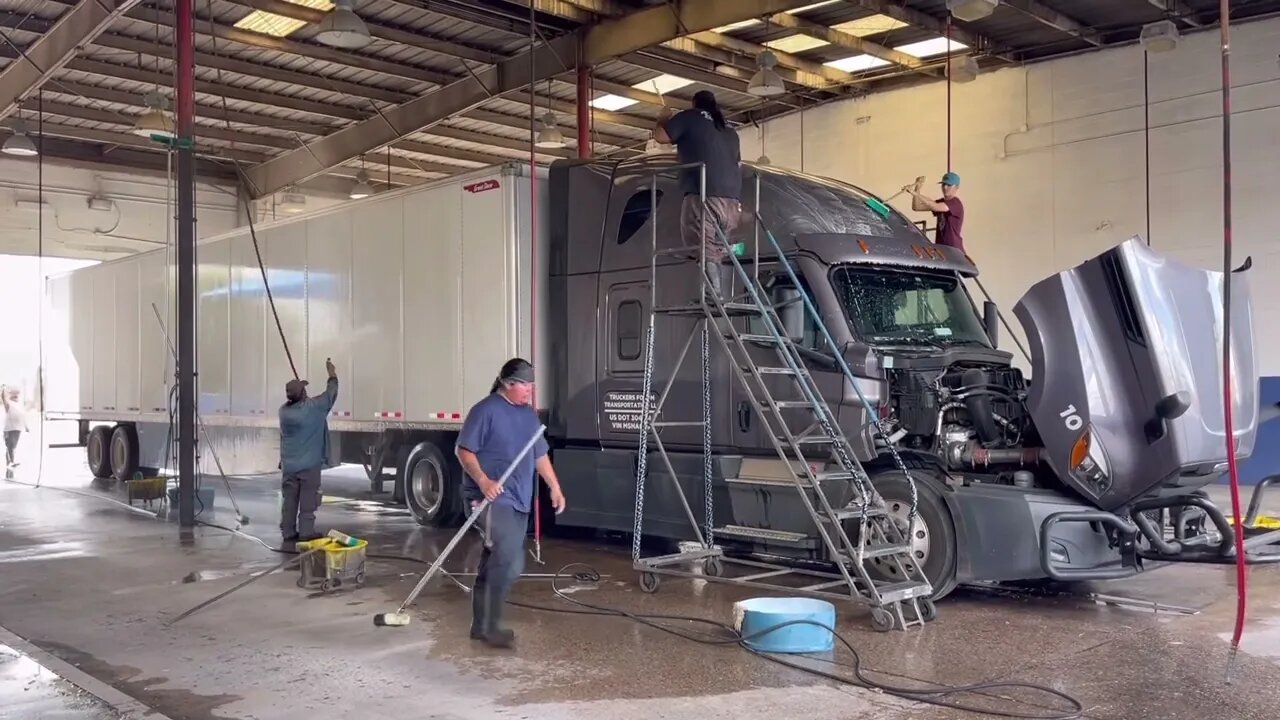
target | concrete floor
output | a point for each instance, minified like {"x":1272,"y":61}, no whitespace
{"x":94,"y":585}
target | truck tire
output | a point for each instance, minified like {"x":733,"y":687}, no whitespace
{"x":432,"y":490}
{"x":934,"y":544}
{"x":124,"y":452}
{"x":97,"y":451}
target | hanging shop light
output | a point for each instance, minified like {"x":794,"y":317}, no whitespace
{"x":19,"y":143}
{"x":963,"y":69}
{"x":156,"y":120}
{"x":1159,"y":36}
{"x":766,"y":82}
{"x":343,"y":28}
{"x":293,"y":202}
{"x":971,"y":10}
{"x":361,"y":188}
{"x":763,"y":160}
{"x":549,"y":136}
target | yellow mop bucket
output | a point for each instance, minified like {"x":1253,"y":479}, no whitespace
{"x":335,"y":566}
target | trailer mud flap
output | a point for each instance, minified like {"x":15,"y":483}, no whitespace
{"x":1125,"y":535}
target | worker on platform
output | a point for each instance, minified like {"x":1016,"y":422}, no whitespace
{"x":701,"y":135}
{"x":948,"y":210}
{"x":304,"y":450}
{"x":496,"y":429}
{"x":15,"y":423}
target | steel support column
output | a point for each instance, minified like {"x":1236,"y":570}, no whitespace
{"x":184,"y":51}
{"x":584,"y":108}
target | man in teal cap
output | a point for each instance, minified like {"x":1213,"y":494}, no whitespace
{"x":947,"y":209}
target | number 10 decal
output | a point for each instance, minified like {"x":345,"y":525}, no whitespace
{"x":1071,"y":418}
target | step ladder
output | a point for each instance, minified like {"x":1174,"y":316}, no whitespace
{"x":821,"y":440}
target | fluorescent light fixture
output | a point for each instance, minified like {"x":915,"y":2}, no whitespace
{"x":261,"y":21}
{"x":612,"y":102}
{"x":868,"y":26}
{"x":796,"y":43}
{"x":814,"y":6}
{"x":857,"y":63}
{"x":663,"y":84}
{"x":933,"y":46}
{"x":342,"y":28}
{"x":735,"y":26}
{"x":293,"y":202}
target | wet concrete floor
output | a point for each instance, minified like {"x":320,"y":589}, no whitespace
{"x":97,"y":585}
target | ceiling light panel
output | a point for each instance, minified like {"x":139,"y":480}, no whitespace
{"x":934,"y":46}
{"x":857,"y":63}
{"x":796,"y":43}
{"x":662,"y":84}
{"x":870,"y":25}
{"x":612,"y":102}
{"x":260,"y":21}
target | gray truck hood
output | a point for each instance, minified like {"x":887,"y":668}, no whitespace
{"x":1109,"y":340}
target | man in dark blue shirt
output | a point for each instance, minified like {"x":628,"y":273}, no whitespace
{"x":701,"y":135}
{"x":304,"y":451}
{"x":495,"y":431}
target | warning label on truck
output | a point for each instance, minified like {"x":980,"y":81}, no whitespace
{"x":622,"y":410}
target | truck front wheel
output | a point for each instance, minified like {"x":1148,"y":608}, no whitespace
{"x":432,"y":489}
{"x":933,"y":542}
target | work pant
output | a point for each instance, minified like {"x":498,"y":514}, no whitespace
{"x":501,"y":563}
{"x":11,"y":446}
{"x":708,"y":226}
{"x":301,"y":499}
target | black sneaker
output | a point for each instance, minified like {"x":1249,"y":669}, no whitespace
{"x":290,"y":538}
{"x":503,"y":639}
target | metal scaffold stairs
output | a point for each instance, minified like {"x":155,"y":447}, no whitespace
{"x":805,"y":451}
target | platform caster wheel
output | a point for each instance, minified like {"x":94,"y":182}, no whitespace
{"x":928,"y":609}
{"x":881,"y":619}
{"x":713,"y":567}
{"x":328,"y":585}
{"x":649,"y":582}
{"x":360,"y":579}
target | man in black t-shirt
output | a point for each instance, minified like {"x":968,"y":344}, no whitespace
{"x":701,"y":135}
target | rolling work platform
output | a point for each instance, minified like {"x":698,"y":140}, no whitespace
{"x":854,"y":533}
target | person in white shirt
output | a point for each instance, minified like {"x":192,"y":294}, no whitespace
{"x":15,"y":423}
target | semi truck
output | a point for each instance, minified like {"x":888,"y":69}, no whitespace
{"x":1083,"y":468}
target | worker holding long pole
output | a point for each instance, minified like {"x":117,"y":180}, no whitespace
{"x":492,"y":438}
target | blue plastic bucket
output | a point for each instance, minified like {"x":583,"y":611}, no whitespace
{"x":757,"y":615}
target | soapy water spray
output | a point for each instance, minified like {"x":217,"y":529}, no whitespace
{"x":401,"y":617}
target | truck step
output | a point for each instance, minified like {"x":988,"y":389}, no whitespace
{"x":764,"y":535}
{"x":854,"y":512}
{"x":899,"y":591}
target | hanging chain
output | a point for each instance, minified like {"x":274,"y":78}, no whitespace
{"x":642,"y":452}
{"x":706,"y":433}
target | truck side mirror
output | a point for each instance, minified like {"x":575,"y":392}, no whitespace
{"x":790,"y":309}
{"x":991,"y":322}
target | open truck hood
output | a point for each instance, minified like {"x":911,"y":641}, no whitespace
{"x":1110,"y":340}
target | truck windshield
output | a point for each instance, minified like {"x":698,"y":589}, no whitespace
{"x":904,"y":307}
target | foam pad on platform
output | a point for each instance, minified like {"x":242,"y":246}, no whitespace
{"x":754,"y":617}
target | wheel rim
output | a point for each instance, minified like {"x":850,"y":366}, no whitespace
{"x":919,"y":540}
{"x":118,"y":452}
{"x":428,"y":487}
{"x":96,"y":450}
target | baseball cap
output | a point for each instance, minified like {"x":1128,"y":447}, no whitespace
{"x":294,"y":388}
{"x":518,"y":370}
{"x":950,"y":179}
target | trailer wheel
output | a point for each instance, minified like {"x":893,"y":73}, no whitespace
{"x":933,"y":544}
{"x":97,"y":451}
{"x":432,"y":490}
{"x":124,"y":452}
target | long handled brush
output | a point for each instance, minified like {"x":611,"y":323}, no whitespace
{"x":400,"y":617}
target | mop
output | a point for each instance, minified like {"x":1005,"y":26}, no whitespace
{"x":400,"y":616}
{"x":881,"y":207}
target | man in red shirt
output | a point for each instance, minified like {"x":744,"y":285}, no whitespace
{"x":947,"y":209}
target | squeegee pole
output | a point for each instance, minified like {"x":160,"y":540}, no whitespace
{"x":186,"y":270}
{"x":471,"y":520}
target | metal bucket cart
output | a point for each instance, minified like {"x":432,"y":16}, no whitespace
{"x":334,"y":566}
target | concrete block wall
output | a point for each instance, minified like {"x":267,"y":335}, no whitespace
{"x":1052,"y":163}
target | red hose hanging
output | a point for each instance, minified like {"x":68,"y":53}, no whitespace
{"x":948,"y":95}
{"x":533,"y":251}
{"x":1228,"y":420}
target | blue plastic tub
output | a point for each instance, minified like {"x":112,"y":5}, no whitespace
{"x":757,"y":615}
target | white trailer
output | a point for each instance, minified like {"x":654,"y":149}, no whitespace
{"x":418,"y":296}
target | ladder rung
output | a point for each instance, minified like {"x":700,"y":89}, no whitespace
{"x":810,"y":440}
{"x":824,"y":585}
{"x":899,"y":591}
{"x":853,"y":512}
{"x":779,"y":536}
{"x":769,"y":482}
{"x":678,"y":423}
{"x":793,"y":404}
{"x":877,"y":551}
{"x":771,"y":370}
{"x":696,"y":310}
{"x":748,"y":337}
{"x":688,"y":250}
{"x":833,"y":475}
